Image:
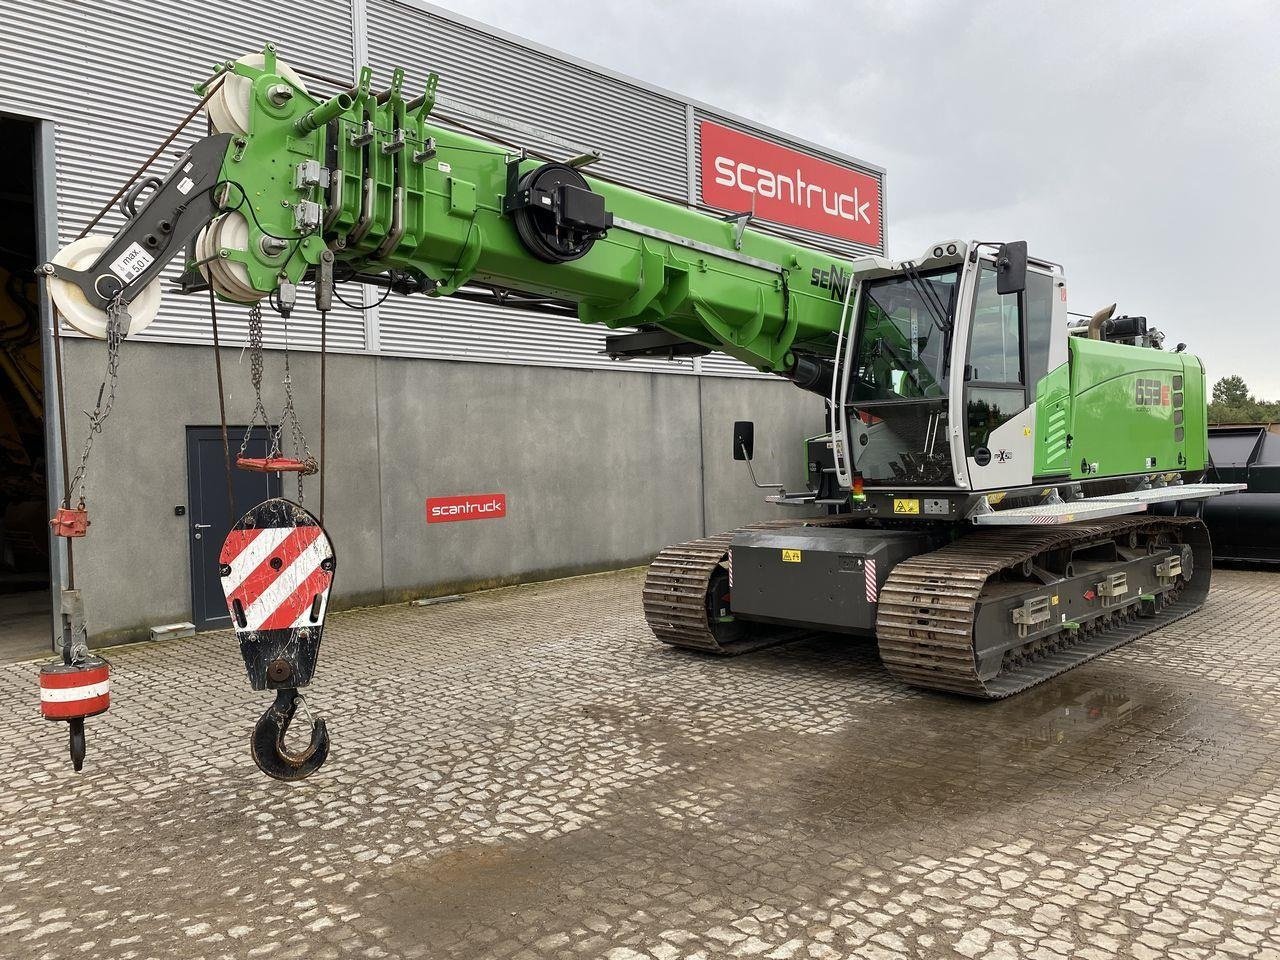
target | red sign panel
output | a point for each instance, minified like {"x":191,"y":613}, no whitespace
{"x":469,"y":506}
{"x":741,"y":172}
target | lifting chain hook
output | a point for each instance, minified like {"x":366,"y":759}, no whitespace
{"x":304,"y":463}
{"x":269,"y":751}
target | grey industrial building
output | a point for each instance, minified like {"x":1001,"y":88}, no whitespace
{"x":602,"y":462}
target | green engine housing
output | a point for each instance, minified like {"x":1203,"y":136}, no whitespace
{"x":1118,"y":410}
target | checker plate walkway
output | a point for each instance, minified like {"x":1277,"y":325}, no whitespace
{"x":526,"y":774}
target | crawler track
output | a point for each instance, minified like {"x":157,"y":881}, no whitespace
{"x":686,"y":595}
{"x":926,"y":623}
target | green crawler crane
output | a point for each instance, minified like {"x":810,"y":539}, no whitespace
{"x":1000,"y":495}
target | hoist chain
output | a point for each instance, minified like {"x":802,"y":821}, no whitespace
{"x":290,"y":416}
{"x":118,"y":321}
{"x":255,"y":375}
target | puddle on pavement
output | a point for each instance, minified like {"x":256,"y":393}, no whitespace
{"x":928,"y":771}
{"x":523,"y":883}
{"x":1100,"y":734}
{"x":1074,"y":712}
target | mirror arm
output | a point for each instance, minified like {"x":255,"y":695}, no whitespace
{"x":763,"y":486}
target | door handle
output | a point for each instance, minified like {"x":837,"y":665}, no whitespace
{"x":203,"y":526}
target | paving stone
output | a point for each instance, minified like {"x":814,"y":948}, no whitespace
{"x":527,"y":774}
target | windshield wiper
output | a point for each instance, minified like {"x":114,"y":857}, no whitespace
{"x":928,"y":295}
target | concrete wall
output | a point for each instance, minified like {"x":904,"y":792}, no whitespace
{"x":601,"y":468}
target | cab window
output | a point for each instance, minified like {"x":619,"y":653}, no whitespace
{"x":994,"y":373}
{"x":995,"y":338}
{"x":1039,"y":302}
{"x":988,"y":408}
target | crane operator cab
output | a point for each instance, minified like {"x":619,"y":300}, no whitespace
{"x":935,"y":375}
{"x":940,"y":372}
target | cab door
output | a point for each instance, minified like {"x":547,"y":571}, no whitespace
{"x":1008,"y":350}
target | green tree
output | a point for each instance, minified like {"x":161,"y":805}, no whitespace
{"x":1231,"y":391}
{"x":1232,"y":403}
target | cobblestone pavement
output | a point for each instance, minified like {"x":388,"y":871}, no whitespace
{"x":526,"y":774}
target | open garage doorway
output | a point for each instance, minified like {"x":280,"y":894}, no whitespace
{"x":25,"y":615}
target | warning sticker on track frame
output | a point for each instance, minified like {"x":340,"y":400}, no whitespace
{"x":790,"y":556}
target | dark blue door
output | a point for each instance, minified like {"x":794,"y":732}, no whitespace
{"x":207,"y":511}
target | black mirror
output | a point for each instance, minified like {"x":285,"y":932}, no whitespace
{"x":744,"y":439}
{"x":1011,"y":267}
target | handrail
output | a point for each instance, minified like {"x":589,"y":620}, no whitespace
{"x":839,"y":415}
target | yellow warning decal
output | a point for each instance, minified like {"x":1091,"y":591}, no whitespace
{"x":1054,"y":600}
{"x":906,"y":506}
{"x":790,"y":556}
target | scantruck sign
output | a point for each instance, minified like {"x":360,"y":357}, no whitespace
{"x":469,"y":506}
{"x":741,"y":172}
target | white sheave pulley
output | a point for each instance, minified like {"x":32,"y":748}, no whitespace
{"x":70,"y":300}
{"x":229,"y":106}
{"x":229,"y":278}
{"x":229,"y":112}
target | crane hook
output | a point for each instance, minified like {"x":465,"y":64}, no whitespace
{"x":77,"y":742}
{"x":269,"y":751}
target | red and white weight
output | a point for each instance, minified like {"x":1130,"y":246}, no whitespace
{"x":75,"y":692}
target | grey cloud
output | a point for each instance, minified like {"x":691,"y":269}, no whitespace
{"x":1136,"y":143}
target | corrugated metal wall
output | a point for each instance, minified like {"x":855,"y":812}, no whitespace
{"x":117,"y":78}
{"x":564,"y":99}
{"x":113,"y":101}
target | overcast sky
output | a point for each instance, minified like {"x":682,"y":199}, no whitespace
{"x":1136,"y":143}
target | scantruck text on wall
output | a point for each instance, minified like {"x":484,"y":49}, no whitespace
{"x":469,"y":506}
{"x":743,"y":173}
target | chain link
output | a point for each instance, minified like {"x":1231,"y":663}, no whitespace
{"x":288,"y":416}
{"x":256,"y":364}
{"x":118,"y":321}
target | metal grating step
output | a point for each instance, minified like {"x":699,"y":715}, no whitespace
{"x":1052,"y":514}
{"x":1185,"y":491}
{"x":1094,"y":508}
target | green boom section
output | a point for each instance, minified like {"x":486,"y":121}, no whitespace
{"x":1114,"y":410}
{"x":421,"y":197}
